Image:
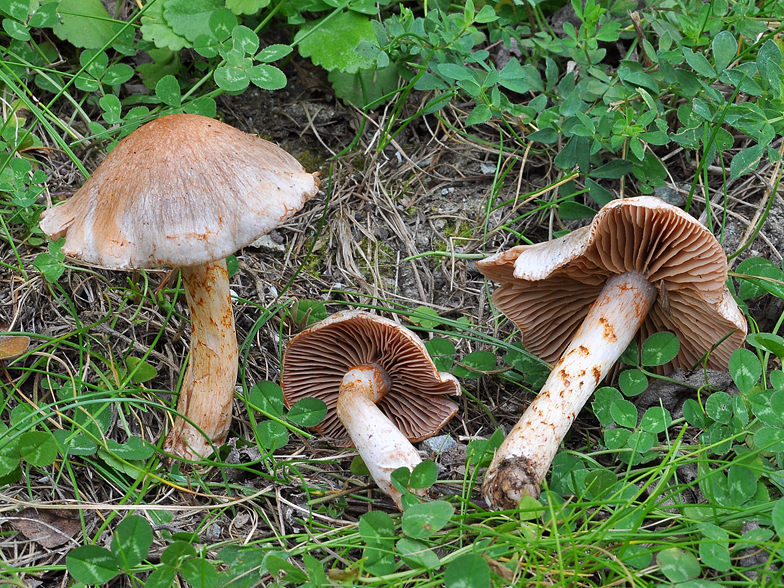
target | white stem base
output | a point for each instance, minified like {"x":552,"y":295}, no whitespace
{"x":208,"y":387}
{"x":379,"y":442}
{"x":522,"y":461}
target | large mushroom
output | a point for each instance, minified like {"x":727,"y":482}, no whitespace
{"x":380,"y":386}
{"x":641,"y":267}
{"x":186,"y":191}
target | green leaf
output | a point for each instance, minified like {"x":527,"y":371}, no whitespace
{"x":422,"y":520}
{"x":442,"y":352}
{"x":745,"y":369}
{"x":767,"y":342}
{"x":176,"y":552}
{"x":480,"y":114}
{"x":597,"y":482}
{"x":221,"y":23}
{"x":426,"y":317}
{"x":742,"y":484}
{"x":660,"y":348}
{"x":378,"y":532}
{"x":73,"y":443}
{"x":310,"y":312}
{"x":699,"y":63}
{"x":474,"y":363}
{"x":632,"y":382}
{"x":358,"y":467}
{"x":308,"y":412}
{"x":332,"y":42}
{"x":246,"y":6}
{"x":231,"y":78}
{"x":778,"y":517}
{"x":725,"y":47}
{"x":155,"y":28}
{"x":719,"y":407}
{"x":416,"y":554}
{"x":134,"y":449}
{"x":118,"y":74}
{"x":769,"y":439}
{"x":424,"y":475}
{"x":272,"y":435}
{"x":746,"y":161}
{"x":603,"y":400}
{"x":616,"y":439}
{"x":37,"y":448}
{"x":46,"y":16}
{"x":678,"y":565}
{"x":190,"y":18}
{"x":161,"y":577}
{"x":141,"y":370}
{"x":714,"y":550}
{"x":50,"y":267}
{"x":574,"y":211}
{"x":84,"y":23}
{"x":91,"y":564}
{"x":273,"y":53}
{"x":16,"y":9}
{"x":761,"y":268}
{"x":112,"y":109}
{"x":655,"y":420}
{"x":132,"y":541}
{"x":16,"y":30}
{"x":368,"y":86}
{"x":9,"y":458}
{"x":245,"y":39}
{"x":624,"y":413}
{"x":376,"y":526}
{"x":467,"y":571}
{"x":168,"y":90}
{"x":267,"y":397}
{"x":199,"y":573}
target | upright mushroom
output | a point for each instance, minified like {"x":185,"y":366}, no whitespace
{"x":186,"y":191}
{"x":642,"y":266}
{"x":380,"y":386}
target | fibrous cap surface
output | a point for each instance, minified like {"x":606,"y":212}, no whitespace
{"x":181,"y":190}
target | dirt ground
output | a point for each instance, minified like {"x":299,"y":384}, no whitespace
{"x":372,"y":229}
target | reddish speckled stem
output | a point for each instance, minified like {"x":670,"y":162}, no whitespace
{"x":522,"y":461}
{"x":208,"y":387}
{"x":380,"y":443}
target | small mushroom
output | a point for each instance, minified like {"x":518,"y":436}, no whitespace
{"x":186,"y":191}
{"x":380,"y":386}
{"x":641,"y":267}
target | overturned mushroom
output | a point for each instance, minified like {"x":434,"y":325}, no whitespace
{"x":380,"y":386}
{"x":186,"y":191}
{"x":642,"y":266}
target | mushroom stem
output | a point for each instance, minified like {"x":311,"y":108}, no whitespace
{"x":208,"y":387}
{"x":523,"y":459}
{"x":380,"y":443}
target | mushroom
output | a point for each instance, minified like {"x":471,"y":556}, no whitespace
{"x":186,"y":191}
{"x":380,"y":386}
{"x":641,"y":267}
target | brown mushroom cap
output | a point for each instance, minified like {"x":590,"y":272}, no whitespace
{"x":547,"y":289}
{"x":12,"y":346}
{"x":317,"y":359}
{"x":181,"y":190}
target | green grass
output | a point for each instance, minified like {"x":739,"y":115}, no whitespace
{"x":694,"y":99}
